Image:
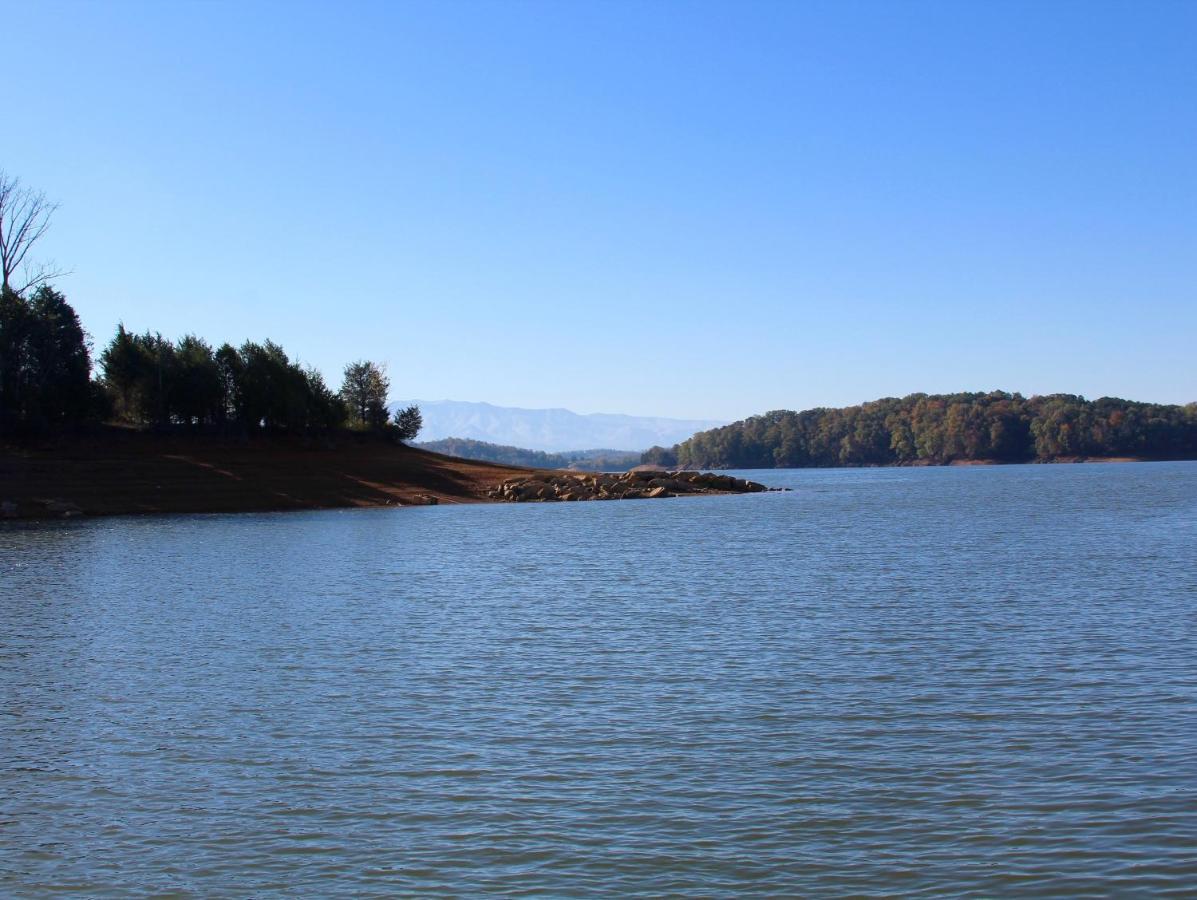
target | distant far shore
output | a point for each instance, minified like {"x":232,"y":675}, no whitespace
{"x":1050,"y":462}
{"x":935,"y":464}
{"x":941,"y":429}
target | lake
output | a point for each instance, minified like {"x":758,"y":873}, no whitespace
{"x":956,"y":680}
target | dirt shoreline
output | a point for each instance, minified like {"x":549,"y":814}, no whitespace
{"x":121,"y":472}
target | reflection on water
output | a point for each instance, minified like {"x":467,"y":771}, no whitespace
{"x":887,"y":681}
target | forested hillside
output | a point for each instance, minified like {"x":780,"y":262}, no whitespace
{"x":590,"y":460}
{"x":944,"y":428}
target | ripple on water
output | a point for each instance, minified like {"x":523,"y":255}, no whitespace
{"x":969,"y":681}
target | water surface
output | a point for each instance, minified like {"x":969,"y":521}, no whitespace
{"x":973,"y":681}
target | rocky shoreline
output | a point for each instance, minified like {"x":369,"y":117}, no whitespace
{"x":546,"y":487}
{"x":117,"y":471}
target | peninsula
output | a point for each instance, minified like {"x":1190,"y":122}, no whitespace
{"x":115,"y":471}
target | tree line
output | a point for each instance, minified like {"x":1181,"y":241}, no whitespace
{"x":154,"y":381}
{"x":148,"y":380}
{"x":943,"y":428}
{"x":588,"y":460}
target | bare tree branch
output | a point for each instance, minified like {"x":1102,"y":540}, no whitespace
{"x":35,"y":276}
{"x":24,"y":219}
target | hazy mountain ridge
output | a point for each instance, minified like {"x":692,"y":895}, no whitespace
{"x":551,"y":430}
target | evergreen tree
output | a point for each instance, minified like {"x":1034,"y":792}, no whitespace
{"x":45,"y":362}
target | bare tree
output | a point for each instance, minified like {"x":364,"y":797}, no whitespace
{"x":24,"y":219}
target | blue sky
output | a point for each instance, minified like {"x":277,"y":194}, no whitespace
{"x":688,"y":209}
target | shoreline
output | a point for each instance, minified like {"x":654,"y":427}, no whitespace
{"x":955,"y":463}
{"x":118,"y":471}
{"x":126,"y":472}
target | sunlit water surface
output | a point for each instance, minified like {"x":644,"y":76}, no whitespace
{"x":885,"y":682}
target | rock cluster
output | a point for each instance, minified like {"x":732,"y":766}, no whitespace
{"x":552,"y":486}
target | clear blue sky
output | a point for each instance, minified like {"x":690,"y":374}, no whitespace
{"x":662,"y":208}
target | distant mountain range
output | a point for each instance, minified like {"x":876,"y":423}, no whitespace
{"x":552,"y":430}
